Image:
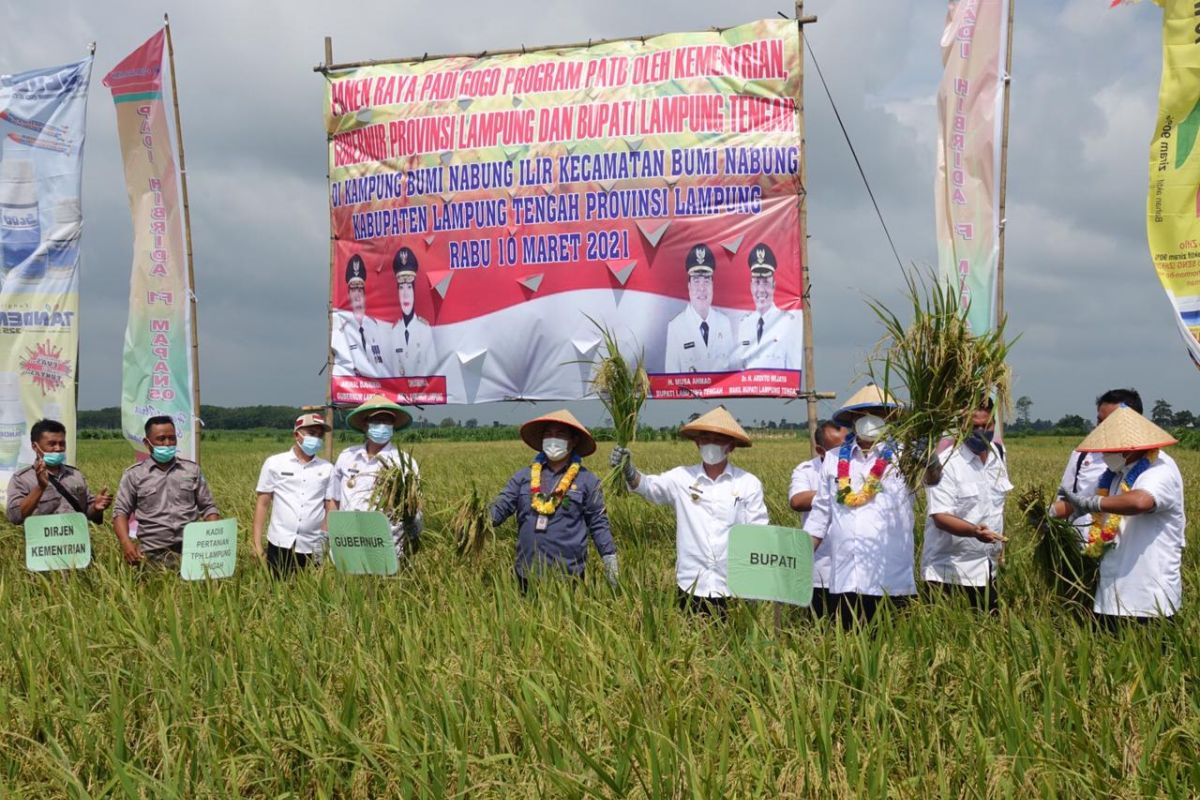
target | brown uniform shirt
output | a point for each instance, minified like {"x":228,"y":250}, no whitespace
{"x":25,"y":481}
{"x":164,"y":500}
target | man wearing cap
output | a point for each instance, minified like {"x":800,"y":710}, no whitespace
{"x":353,"y":478}
{"x":558,"y":502}
{"x":709,"y":499}
{"x":411,"y":339}
{"x":50,"y":485}
{"x":1137,"y":519}
{"x":863,"y":513}
{"x":699,"y":338}
{"x":166,"y":493}
{"x":292,"y":485}
{"x":806,"y":479}
{"x":767,"y":337}
{"x":964,"y":524}
{"x":358,"y":347}
{"x":1083,"y":471}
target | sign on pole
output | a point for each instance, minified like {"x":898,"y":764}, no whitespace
{"x":360,"y":543}
{"x":57,"y":541}
{"x":209,"y":550}
{"x":767,"y":562}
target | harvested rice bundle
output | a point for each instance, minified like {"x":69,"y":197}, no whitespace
{"x":622,"y":388}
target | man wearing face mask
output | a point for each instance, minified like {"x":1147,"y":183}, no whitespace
{"x":803,"y":490}
{"x":354,"y":471}
{"x":49,"y":485}
{"x":411,"y":337}
{"x":699,"y":338}
{"x":863,"y":513}
{"x":558,"y":502}
{"x":1137,"y":519}
{"x":965,"y":516}
{"x":292,"y":486}
{"x":709,"y":499}
{"x":167,"y":493}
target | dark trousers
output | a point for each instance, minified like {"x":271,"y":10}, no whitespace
{"x":980,"y":598}
{"x":705,"y":606}
{"x":852,"y":608}
{"x":166,"y":559}
{"x":822,"y":602}
{"x":523,"y":580}
{"x":1112,"y":623}
{"x":283,"y":562}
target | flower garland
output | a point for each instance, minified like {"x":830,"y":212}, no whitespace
{"x":1103,"y":532}
{"x":547,"y":504}
{"x":871,"y":486}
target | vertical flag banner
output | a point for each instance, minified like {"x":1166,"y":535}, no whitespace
{"x":967,"y":184}
{"x":486,"y":209}
{"x":1173,"y":205}
{"x":157,"y":376}
{"x":42,"y":118}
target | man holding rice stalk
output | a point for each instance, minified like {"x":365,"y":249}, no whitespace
{"x":558,"y":502}
{"x":863,"y":513}
{"x":709,"y":499}
{"x":1137,"y":519}
{"x":803,"y":490}
{"x":375,"y":476}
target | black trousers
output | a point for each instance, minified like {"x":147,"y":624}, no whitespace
{"x":822,"y":602}
{"x":852,"y":608}
{"x":1112,"y":623}
{"x":283,"y":562}
{"x":705,"y":606}
{"x":980,"y":598}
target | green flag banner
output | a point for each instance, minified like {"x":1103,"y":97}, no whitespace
{"x":57,"y":541}
{"x":360,"y":543}
{"x":767,"y":562}
{"x":209,"y":550}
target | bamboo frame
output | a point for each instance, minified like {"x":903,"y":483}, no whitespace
{"x":187,"y":233}
{"x":810,"y":379}
{"x":1003,"y":200}
{"x":329,"y":408}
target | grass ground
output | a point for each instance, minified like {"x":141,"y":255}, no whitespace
{"x":445,"y":682}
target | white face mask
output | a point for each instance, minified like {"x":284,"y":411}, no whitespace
{"x":555,"y":448}
{"x":1114,"y":461}
{"x":712,"y":454}
{"x":869,"y":427}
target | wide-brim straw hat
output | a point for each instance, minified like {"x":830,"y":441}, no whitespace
{"x":717,"y":421}
{"x":531,"y":432}
{"x":868,"y":398}
{"x":358,"y":417}
{"x":1125,"y":429}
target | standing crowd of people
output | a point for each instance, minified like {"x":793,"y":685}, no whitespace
{"x":1123,"y":493}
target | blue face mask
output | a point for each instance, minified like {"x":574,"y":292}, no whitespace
{"x":979,"y":441}
{"x":379,"y":432}
{"x":309,"y":445}
{"x":162,"y":453}
{"x":54,"y":459}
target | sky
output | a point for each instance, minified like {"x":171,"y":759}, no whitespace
{"x":1081,"y":290}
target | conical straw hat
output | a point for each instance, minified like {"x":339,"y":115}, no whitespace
{"x":378,"y":402}
{"x":1125,"y":429}
{"x":868,"y":398}
{"x":531,"y":432}
{"x":717,"y":421}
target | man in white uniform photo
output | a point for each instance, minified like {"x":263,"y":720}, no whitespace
{"x":358,"y":340}
{"x":700,"y":338}
{"x":767,"y":337}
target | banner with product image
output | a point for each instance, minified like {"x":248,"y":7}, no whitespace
{"x":484,"y":208}
{"x":42,"y":119}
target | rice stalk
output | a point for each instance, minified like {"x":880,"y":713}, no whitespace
{"x":471,"y":523}
{"x":622,"y":387}
{"x":397,"y":491}
{"x":1058,"y":552}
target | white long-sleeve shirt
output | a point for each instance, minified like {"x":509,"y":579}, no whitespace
{"x":974,"y":491}
{"x":705,"y":510}
{"x":807,"y":478}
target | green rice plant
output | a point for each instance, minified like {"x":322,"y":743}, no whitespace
{"x":1069,"y":574}
{"x":944,"y":368}
{"x":471,"y":523}
{"x":622,"y":387}
{"x":396,"y":494}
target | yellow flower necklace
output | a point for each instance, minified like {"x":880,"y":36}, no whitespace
{"x":871,"y":484}
{"x":547,"y":504}
{"x":1105,"y":528}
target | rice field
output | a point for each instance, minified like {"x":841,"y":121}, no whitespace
{"x":445,"y":682}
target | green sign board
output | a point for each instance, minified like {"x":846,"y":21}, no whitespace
{"x":767,"y":562}
{"x":57,"y":541}
{"x":360,"y":543}
{"x":209,"y":550}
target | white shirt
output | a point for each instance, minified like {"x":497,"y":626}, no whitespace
{"x":1084,"y":482}
{"x":413,"y":356}
{"x":686,"y":350}
{"x":1141,"y":575}
{"x":807,"y":478}
{"x":781,"y":345}
{"x":354,"y":473}
{"x":298,"y":500}
{"x":705,"y":510}
{"x":974,"y":491}
{"x":358,"y":352}
{"x":870,"y":547}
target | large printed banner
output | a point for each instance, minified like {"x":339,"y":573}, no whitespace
{"x":1173,"y":206}
{"x":42,"y":117}
{"x":967,"y":184}
{"x":485,"y":208}
{"x":157,"y":375}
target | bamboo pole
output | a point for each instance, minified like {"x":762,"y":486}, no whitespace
{"x":810,"y":380}
{"x":187,"y":234}
{"x":1003,"y":200}
{"x":330,"y":416}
